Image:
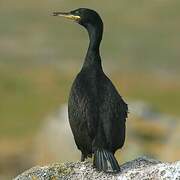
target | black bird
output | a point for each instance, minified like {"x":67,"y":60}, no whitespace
{"x":97,"y":113}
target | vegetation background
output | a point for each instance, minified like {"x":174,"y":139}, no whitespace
{"x":40,"y":56}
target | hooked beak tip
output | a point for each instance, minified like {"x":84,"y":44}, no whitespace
{"x":54,"y":14}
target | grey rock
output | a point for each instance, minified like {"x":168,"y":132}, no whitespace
{"x":141,"y":168}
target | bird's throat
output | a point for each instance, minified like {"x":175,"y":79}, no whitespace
{"x":93,"y":58}
{"x":95,"y":37}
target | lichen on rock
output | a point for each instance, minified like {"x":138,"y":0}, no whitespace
{"x":139,"y":169}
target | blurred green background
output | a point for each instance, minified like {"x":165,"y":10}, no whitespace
{"x":40,"y":56}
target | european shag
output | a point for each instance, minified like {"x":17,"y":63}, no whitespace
{"x":97,"y":113}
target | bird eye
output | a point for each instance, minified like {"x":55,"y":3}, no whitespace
{"x":77,"y":12}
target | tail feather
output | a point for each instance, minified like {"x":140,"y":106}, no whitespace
{"x":105,"y":161}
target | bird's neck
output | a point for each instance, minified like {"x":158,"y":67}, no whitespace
{"x":93,"y":59}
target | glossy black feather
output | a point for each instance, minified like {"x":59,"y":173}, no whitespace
{"x":97,"y":113}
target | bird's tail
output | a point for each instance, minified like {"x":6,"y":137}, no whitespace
{"x":105,"y":161}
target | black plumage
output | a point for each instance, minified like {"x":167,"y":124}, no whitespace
{"x":97,"y":113}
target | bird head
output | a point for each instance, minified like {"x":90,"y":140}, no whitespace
{"x":83,"y":16}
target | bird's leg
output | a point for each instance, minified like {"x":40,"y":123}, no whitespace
{"x":82,"y":157}
{"x":89,"y":155}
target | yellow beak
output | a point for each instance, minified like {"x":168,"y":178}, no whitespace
{"x":67,"y":15}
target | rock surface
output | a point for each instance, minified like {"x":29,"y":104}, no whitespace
{"x":142,"y":168}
